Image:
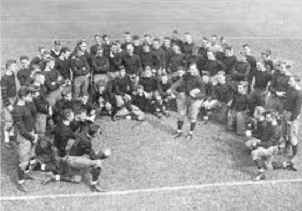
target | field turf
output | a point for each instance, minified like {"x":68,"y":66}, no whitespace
{"x":148,"y":170}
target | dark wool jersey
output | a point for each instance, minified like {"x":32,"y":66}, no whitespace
{"x":198,"y":60}
{"x":168,"y":54}
{"x":107,"y":48}
{"x":241,"y":102}
{"x":62,"y":134}
{"x":259,"y":129}
{"x":252,"y":61}
{"x":122,"y":85}
{"x":23,"y":76}
{"x":189,"y":82}
{"x":100,"y":65}
{"x":223,"y":92}
{"x":38,"y":61}
{"x":162,"y":88}
{"x":8,"y":88}
{"x":141,"y":102}
{"x":161,"y":57}
{"x":203,"y":52}
{"x":77,"y":65}
{"x":60,"y":106}
{"x":63,"y":66}
{"x":55,"y":54}
{"x":132,"y":64}
{"x":83,"y":146}
{"x":271,"y":136}
{"x":262,"y":78}
{"x":51,"y":80}
{"x":149,"y":83}
{"x":137,"y":49}
{"x":229,"y":62}
{"x":24,"y":121}
{"x":41,"y":104}
{"x":177,"y":60}
{"x":187,"y":48}
{"x":269,"y":63}
{"x":33,"y":109}
{"x":93,"y":49}
{"x":115,"y":61}
{"x":149,"y":59}
{"x":209,"y":89}
{"x":214,"y":66}
{"x":293,"y":103}
{"x":241,"y":71}
{"x":279,"y":83}
{"x":124,"y":45}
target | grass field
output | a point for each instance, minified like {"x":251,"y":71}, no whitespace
{"x":148,"y":170}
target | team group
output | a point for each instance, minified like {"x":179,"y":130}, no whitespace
{"x":50,"y":119}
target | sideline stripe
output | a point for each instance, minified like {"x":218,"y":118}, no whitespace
{"x":150,"y":190}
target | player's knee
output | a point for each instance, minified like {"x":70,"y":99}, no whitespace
{"x":255,"y":155}
{"x":141,"y":116}
{"x":8,"y":126}
{"x":76,"y":178}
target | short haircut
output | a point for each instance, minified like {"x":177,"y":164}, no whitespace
{"x":187,"y":33}
{"x":105,"y":36}
{"x":167,"y":38}
{"x":24,"y":58}
{"x":127,"y":33}
{"x":147,"y":35}
{"x":80,"y":42}
{"x":98,"y":48}
{"x":9,"y":63}
{"x":273,"y":113}
{"x":245,"y":45}
{"x":156,"y":39}
{"x":41,"y":48}
{"x":97,"y":35}
{"x":135,"y":37}
{"x":65,"y":49}
{"x":175,"y":32}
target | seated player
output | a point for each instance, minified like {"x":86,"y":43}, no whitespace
{"x":266,"y":146}
{"x":103,"y":98}
{"x":257,"y":124}
{"x":240,"y":107}
{"x":163,"y":94}
{"x":65,"y":103}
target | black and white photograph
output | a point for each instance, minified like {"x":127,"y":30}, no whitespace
{"x":139,"y":105}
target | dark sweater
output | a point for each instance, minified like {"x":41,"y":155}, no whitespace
{"x":160,"y":57}
{"x":8,"y":88}
{"x":241,"y":102}
{"x":262,"y":78}
{"x":293,"y":103}
{"x":23,"y":76}
{"x":62,"y":134}
{"x":279,"y":83}
{"x":24,"y":121}
{"x":198,"y":60}
{"x":79,"y":66}
{"x":149,"y":59}
{"x":271,"y":136}
{"x":115,"y":62}
{"x":214,"y":66}
{"x":168,"y":54}
{"x":259,"y":129}
{"x":224,"y":92}
{"x":241,"y":71}
{"x":63,"y":66}
{"x":162,"y":88}
{"x":93,"y":49}
{"x":41,"y":104}
{"x":189,"y":82}
{"x":187,"y":48}
{"x":149,"y":83}
{"x":83,"y":146}
{"x":229,"y":62}
{"x":51,"y":80}
{"x":100,"y":65}
{"x":178,"y":42}
{"x":54,"y":54}
{"x":122,"y":86}
{"x":177,"y":60}
{"x":132,"y":64}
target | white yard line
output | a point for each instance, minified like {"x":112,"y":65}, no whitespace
{"x":150,"y":190}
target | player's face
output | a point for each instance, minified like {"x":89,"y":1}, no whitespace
{"x":57,"y":47}
{"x":52,"y":64}
{"x":167,"y":42}
{"x":28,"y":98}
{"x":156,"y":45}
{"x":211,"y":55}
{"x":71,"y":116}
{"x":228,"y":52}
{"x":67,"y":54}
{"x":127,"y":37}
{"x":79,"y":53}
{"x":148,"y":39}
{"x":148,"y":71}
{"x":175,"y":49}
{"x":174,"y":36}
{"x":122,"y":73}
{"x":193,"y":70}
{"x":291,"y":82}
{"x":129,"y":49}
{"x":40,"y":79}
{"x":24,"y":63}
{"x":146,"y":48}
{"x":259,"y":66}
{"x":246,"y":50}
{"x":101,"y":89}
{"x":188,"y":38}
{"x":13,"y":67}
{"x":206,"y":78}
{"x":164,"y":79}
{"x":68,"y":97}
{"x":136,"y":42}
{"x":140,"y":91}
{"x":241,"y":89}
{"x":98,"y":40}
{"x":100,"y":52}
{"x":83,"y":47}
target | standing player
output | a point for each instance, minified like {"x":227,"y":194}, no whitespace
{"x":191,"y":91}
{"x":26,"y":137}
{"x":8,"y":93}
{"x":24,"y":73}
{"x":291,"y":115}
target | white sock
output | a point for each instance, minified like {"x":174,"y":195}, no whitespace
{"x":58,"y":177}
{"x":43,"y":167}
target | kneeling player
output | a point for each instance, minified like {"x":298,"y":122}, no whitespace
{"x":267,"y":146}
